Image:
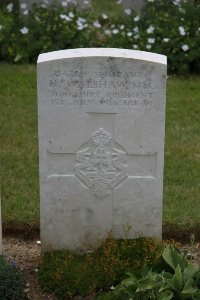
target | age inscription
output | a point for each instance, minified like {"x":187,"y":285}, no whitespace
{"x":124,"y":90}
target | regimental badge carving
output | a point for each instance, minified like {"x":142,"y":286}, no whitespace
{"x":101,"y":164}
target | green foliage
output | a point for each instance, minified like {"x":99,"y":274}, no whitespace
{"x":111,"y":8}
{"x":165,"y":27}
{"x":182,"y":283}
{"x":67,"y":274}
{"x":11,"y":281}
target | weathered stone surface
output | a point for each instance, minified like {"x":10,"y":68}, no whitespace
{"x":101,"y":135}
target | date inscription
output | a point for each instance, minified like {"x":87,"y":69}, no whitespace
{"x":124,"y":90}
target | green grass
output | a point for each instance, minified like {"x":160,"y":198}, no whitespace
{"x":108,"y":7}
{"x":19,"y":152}
{"x":18,"y":136}
{"x":182,"y":152}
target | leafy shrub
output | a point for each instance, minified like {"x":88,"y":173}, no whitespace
{"x":67,"y":274}
{"x":182,"y":282}
{"x":167,"y":27}
{"x":11,"y":281}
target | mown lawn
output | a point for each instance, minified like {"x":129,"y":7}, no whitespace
{"x":19,"y":153}
{"x":18,"y":136}
{"x":182,"y":152}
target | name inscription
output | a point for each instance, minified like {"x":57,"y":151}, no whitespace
{"x":77,"y":88}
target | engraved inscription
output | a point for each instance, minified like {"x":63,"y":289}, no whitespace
{"x":101,"y":164}
{"x":101,"y":89}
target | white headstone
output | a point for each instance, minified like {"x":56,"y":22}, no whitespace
{"x":101,"y":140}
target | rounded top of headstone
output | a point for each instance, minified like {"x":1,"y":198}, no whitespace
{"x":102,"y":52}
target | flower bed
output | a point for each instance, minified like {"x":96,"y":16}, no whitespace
{"x":167,"y":27}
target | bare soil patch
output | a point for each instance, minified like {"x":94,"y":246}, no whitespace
{"x":25,"y":253}
{"x":30,"y":231}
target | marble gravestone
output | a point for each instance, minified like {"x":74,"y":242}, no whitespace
{"x":101,"y":145}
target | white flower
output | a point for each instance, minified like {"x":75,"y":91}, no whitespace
{"x":81,"y":23}
{"x":136,"y":29}
{"x":129,"y":34}
{"x":135,"y":46}
{"x":113,"y":26}
{"x":81,"y":26}
{"x":107,"y":32}
{"x":122,"y":27}
{"x":86,"y":2}
{"x":115,"y":31}
{"x":112,"y":287}
{"x":181,"y":10}
{"x":150,"y":29}
{"x":65,"y":17}
{"x":150,"y":0}
{"x":64,"y":3}
{"x":185,"y":47}
{"x":199,"y":28}
{"x":10,"y":7}
{"x":136,"y":36}
{"x":1,"y":27}
{"x":24,"y":30}
{"x":136,"y":19}
{"x":177,"y":2}
{"x":148,"y":46}
{"x":166,"y":40}
{"x":37,"y":18}
{"x":25,"y":12}
{"x":181,"y":30}
{"x":46,"y":2}
{"x":151,"y":40}
{"x":81,"y":20}
{"x":71,"y":14}
{"x":23,"y":6}
{"x":104,"y":16}
{"x":119,"y":1}
{"x":96,"y":24}
{"x":127,"y":11}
